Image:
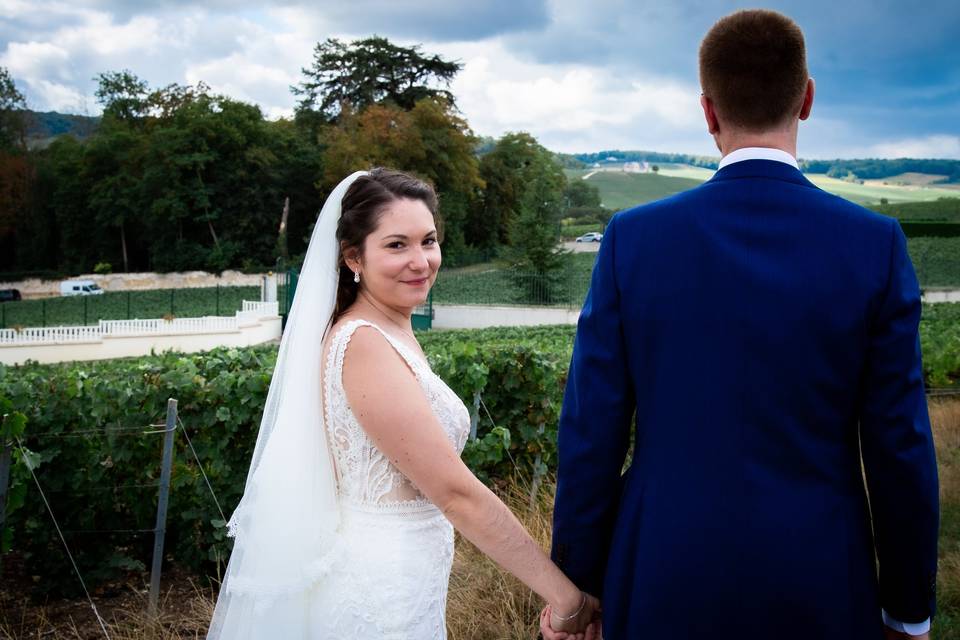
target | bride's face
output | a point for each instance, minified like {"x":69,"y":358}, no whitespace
{"x":401,"y":256}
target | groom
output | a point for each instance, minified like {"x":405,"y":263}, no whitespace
{"x":753,"y":342}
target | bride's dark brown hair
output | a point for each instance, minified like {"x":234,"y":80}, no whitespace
{"x":361,"y":208}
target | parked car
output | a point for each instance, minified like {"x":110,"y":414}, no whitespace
{"x":593,"y":236}
{"x":9,"y":295}
{"x":80,"y":288}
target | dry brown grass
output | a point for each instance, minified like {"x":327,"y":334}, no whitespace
{"x":185,"y":611}
{"x":945,"y":420}
{"x":485,"y":602}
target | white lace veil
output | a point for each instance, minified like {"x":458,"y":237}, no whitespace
{"x":285,"y":527}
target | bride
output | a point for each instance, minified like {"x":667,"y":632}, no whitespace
{"x":345,"y":528}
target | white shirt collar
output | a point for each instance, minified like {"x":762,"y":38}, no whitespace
{"x":758,"y":153}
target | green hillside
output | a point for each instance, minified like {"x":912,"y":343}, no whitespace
{"x":619,"y":190}
{"x":874,"y":193}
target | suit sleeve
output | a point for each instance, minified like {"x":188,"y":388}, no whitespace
{"x":897,"y":447}
{"x":594,"y":430}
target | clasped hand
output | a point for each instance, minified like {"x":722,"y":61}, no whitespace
{"x":583,"y":626}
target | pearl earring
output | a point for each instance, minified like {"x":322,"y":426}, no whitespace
{"x":356,"y":277}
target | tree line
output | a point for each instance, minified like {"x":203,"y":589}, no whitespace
{"x":181,"y":177}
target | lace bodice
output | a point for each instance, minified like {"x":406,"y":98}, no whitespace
{"x":365,"y":477}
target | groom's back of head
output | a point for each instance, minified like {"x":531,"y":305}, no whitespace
{"x":753,"y":68}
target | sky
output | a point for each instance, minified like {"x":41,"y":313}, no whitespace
{"x":580,"y":75}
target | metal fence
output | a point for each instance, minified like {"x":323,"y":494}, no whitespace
{"x":126,"y":305}
{"x":505,"y":287}
{"x":287,"y":288}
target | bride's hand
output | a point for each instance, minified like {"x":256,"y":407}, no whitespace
{"x":593,"y":631}
{"x":575,"y":620}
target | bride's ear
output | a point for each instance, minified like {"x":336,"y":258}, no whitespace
{"x":351,"y":257}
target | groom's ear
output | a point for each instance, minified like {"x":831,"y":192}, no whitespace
{"x":710,"y":114}
{"x":807,"y":104}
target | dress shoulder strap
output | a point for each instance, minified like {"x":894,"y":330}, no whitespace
{"x":341,"y":340}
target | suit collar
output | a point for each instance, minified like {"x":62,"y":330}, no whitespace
{"x":771,"y":169}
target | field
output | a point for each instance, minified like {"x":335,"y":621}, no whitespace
{"x":620,"y":190}
{"x":872,"y":193}
{"x":913,"y":178}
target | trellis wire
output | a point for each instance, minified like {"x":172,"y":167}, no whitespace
{"x":66,"y":547}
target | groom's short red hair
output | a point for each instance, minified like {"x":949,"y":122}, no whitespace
{"x":753,"y":67}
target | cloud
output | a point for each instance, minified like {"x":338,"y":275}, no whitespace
{"x":36,"y":60}
{"x":567,"y":106}
{"x":437,"y":20}
{"x":243,"y":79}
{"x":933,"y":146}
{"x":60,"y":97}
{"x":579,"y":76}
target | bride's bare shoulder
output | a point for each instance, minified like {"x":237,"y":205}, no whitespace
{"x":367,"y":335}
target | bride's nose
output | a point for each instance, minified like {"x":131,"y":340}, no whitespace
{"x":418,"y":260}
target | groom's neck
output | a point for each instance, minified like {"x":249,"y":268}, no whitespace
{"x":729,"y":139}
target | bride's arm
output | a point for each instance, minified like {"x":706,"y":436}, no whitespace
{"x":394,"y":412}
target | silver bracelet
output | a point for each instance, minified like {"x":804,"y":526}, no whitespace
{"x":573,"y":615}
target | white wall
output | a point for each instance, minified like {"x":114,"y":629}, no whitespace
{"x":248,"y":330}
{"x":478,"y":317}
{"x":942,"y":296}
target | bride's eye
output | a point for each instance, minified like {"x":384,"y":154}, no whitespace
{"x":430,"y":241}
{"x":395,"y":245}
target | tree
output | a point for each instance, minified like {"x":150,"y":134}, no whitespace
{"x":15,"y":168}
{"x":510,"y":171}
{"x":12,"y":106}
{"x":521,"y":207}
{"x":367,"y":72}
{"x":429,"y":141}
{"x":581,"y":194}
{"x":123,"y":95}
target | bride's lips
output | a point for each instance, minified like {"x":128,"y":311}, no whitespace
{"x":416,"y":283}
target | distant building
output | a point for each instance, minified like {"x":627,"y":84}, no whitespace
{"x":636,"y":167}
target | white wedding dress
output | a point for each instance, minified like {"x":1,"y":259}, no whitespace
{"x":331,"y":541}
{"x":390,"y":580}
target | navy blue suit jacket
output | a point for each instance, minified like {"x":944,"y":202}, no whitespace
{"x":758,"y":339}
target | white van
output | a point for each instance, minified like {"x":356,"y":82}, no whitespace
{"x":80,"y":288}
